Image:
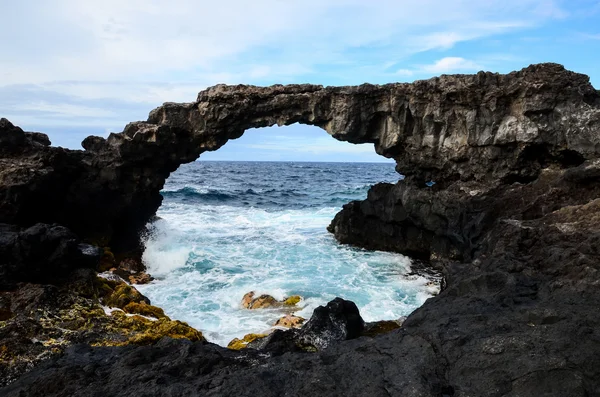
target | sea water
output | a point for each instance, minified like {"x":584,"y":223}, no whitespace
{"x":228,"y":228}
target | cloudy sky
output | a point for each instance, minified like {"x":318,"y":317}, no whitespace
{"x":72,"y":68}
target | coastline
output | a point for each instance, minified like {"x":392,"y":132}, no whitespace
{"x":512,"y":223}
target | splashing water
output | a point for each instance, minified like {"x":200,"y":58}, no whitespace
{"x":228,"y":228}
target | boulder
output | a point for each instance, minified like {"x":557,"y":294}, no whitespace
{"x":238,"y":344}
{"x":381,"y":327}
{"x":289,"y":321}
{"x":42,"y":253}
{"x":338,"y":320}
{"x":249,"y":301}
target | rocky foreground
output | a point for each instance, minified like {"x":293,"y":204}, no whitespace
{"x":512,"y":221}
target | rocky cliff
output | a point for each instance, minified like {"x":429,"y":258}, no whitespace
{"x":512,"y":221}
{"x":466,"y":127}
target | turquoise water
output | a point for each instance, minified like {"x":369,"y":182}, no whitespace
{"x":228,"y":228}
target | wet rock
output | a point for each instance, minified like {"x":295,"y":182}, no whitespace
{"x":140,"y":278}
{"x":123,"y":295}
{"x":144,"y":309}
{"x":238,"y":344}
{"x":381,"y":327}
{"x":131,"y":265}
{"x":249,"y":301}
{"x":107,"y":260}
{"x":263,"y":302}
{"x":292,"y":300}
{"x":289,"y":321}
{"x":338,"y":320}
{"x":132,"y":270}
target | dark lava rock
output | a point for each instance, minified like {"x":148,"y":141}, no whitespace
{"x":337,"y":321}
{"x":358,"y":367}
{"x":513,"y":222}
{"x":42,"y":253}
{"x":40,"y":321}
{"x":479,"y":127}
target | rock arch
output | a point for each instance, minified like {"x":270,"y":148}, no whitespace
{"x":458,"y":127}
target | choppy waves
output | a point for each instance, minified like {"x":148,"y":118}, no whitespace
{"x":219,"y":239}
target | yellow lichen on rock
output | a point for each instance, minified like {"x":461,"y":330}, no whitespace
{"x":381,"y":327}
{"x":267,"y":301}
{"x":238,"y":344}
{"x":290,"y":321}
{"x":247,"y":299}
{"x":140,"y":278}
{"x":122,"y":295}
{"x":4,"y":353}
{"x":292,"y":300}
{"x":263,"y":302}
{"x":107,"y":261}
{"x":145,"y":310}
{"x":165,"y":327}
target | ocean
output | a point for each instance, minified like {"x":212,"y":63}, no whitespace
{"x":227,"y":228}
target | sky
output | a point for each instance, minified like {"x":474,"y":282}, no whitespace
{"x":73,"y":68}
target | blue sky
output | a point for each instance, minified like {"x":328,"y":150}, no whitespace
{"x":72,"y":68}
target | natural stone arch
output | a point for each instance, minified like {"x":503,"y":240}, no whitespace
{"x":529,"y":280}
{"x":467,"y":127}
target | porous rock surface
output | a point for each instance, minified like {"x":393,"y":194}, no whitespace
{"x":468,"y":127}
{"x":512,"y":221}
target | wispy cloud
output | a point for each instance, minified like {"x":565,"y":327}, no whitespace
{"x":124,"y":56}
{"x":590,"y":36}
{"x":442,"y":66}
{"x":451,"y":64}
{"x":315,"y":146}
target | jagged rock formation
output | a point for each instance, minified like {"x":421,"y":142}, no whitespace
{"x":42,"y":253}
{"x":512,"y":221}
{"x":468,"y":127}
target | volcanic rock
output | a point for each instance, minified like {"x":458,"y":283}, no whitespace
{"x":249,"y":301}
{"x":339,"y":320}
{"x":289,"y":321}
{"x":501,"y":194}
{"x":455,"y":127}
{"x":42,"y":253}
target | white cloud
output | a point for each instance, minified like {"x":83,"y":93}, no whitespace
{"x":448,"y":65}
{"x":66,"y":110}
{"x":151,"y":51}
{"x":314,"y":146}
{"x":404,"y":72}
{"x":451,"y":64}
{"x":590,"y":36}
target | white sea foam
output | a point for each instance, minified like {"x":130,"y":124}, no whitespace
{"x":267,"y":233}
{"x":207,"y":257}
{"x":164,"y":253}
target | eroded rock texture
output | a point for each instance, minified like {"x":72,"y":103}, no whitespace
{"x":470,"y":127}
{"x":512,"y":221}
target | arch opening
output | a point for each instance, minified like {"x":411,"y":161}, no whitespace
{"x":244,"y":222}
